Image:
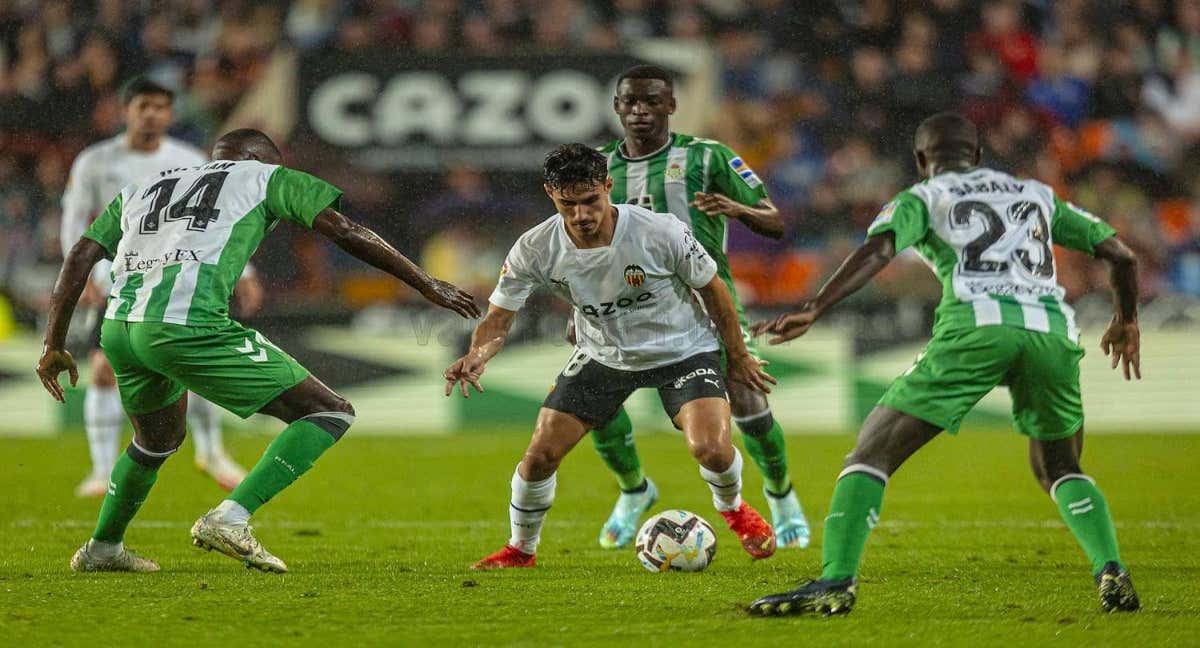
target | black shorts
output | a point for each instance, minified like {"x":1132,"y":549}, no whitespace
{"x":594,"y":393}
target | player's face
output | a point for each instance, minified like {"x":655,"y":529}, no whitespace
{"x":644,"y":106}
{"x":585,"y":208}
{"x":148,"y":115}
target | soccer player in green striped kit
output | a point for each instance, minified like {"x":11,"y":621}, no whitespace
{"x":180,"y":239}
{"x":702,"y":183}
{"x":1002,"y":321}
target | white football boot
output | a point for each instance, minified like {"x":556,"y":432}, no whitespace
{"x":236,"y":541}
{"x":125,"y":561}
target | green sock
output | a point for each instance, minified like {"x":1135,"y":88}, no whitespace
{"x":1085,"y":511}
{"x":854,"y":511}
{"x":614,"y":444}
{"x":128,"y":485}
{"x":290,"y":455}
{"x":763,"y":438}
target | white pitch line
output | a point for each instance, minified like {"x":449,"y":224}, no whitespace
{"x":1182,"y":525}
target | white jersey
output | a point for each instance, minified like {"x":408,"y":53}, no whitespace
{"x":104,"y":168}
{"x":633,"y":300}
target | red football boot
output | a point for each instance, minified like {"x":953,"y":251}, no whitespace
{"x":510,"y":556}
{"x":758,"y":539}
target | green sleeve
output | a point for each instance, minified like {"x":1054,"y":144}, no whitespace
{"x":731,"y":176}
{"x":106,"y":229}
{"x":906,"y":216}
{"x":298,"y":196}
{"x":1075,"y":228}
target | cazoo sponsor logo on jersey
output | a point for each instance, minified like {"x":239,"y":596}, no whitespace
{"x":703,"y":371}
{"x":616,"y":307}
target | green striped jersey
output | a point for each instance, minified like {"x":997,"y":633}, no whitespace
{"x":180,"y":238}
{"x":988,"y":236}
{"x":666,"y":182}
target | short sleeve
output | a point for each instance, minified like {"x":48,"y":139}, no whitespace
{"x":731,"y":176}
{"x":906,"y":216}
{"x":691,"y":262}
{"x":106,"y":229}
{"x":517,"y":281}
{"x":299,"y":197}
{"x":1076,"y":228}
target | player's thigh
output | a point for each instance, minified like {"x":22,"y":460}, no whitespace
{"x":954,"y":371}
{"x":162,"y":430}
{"x":590,"y":391}
{"x":705,"y":425}
{"x":554,"y":435}
{"x":1047,"y":404}
{"x":1050,"y":460}
{"x":888,"y":437}
{"x":310,"y":396}
{"x":231,"y":366}
{"x":143,"y":389}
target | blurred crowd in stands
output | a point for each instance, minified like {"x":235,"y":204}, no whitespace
{"x":1100,"y":98}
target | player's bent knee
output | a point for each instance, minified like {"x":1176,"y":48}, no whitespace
{"x":540,"y":462}
{"x":711,"y":454}
{"x":336,"y":423}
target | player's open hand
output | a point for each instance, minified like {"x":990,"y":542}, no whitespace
{"x":466,"y":370}
{"x":52,"y":363}
{"x":1123,"y":343}
{"x":715,"y":204}
{"x":447,"y":295}
{"x":788,"y":326}
{"x":748,"y":370}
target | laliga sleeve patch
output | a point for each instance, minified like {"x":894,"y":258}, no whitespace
{"x":744,"y":172}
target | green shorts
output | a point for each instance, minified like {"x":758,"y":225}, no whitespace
{"x":231,"y":365}
{"x":960,"y":367}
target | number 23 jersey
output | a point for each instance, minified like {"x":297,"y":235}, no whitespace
{"x":633,"y":300}
{"x":988,"y":237}
{"x":180,"y":238}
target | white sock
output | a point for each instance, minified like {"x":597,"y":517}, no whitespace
{"x":204,"y":421}
{"x":100,"y":549}
{"x":230,"y":512}
{"x":727,"y":485}
{"x":103,"y":418}
{"x":527,"y":510}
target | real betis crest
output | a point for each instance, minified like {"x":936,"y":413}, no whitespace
{"x":674,"y":173}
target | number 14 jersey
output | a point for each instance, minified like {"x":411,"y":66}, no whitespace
{"x":988,"y":237}
{"x":180,"y":238}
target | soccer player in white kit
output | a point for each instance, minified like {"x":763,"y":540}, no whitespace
{"x":629,"y":274}
{"x":99,"y":173}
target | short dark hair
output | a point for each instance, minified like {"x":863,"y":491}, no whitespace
{"x":574,"y":164}
{"x":648,"y":72}
{"x":141,"y":86}
{"x":947,"y":135}
{"x":252,"y":142}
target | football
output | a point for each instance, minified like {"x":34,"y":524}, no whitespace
{"x":676,"y":541}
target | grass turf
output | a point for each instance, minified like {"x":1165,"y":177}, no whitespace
{"x":379,"y":535}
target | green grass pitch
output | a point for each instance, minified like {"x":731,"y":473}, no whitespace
{"x":380,"y":534}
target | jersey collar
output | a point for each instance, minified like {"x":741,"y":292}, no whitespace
{"x":621,"y":150}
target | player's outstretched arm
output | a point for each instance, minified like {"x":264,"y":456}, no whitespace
{"x":762,"y":218}
{"x":487,"y":340}
{"x":854,"y":273}
{"x":71,"y":281}
{"x":741,"y":366}
{"x":1122,"y":340}
{"x":364,"y":244}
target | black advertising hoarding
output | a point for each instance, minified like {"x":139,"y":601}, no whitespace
{"x":388,"y":111}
